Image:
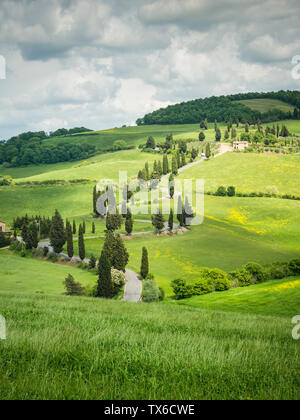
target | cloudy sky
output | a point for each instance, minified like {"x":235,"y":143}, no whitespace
{"x":104,"y":63}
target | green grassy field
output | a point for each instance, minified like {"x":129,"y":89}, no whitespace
{"x":249,"y":172}
{"x":274,"y":298}
{"x":235,"y":232}
{"x":33,"y":276}
{"x":94,"y":349}
{"x":265,"y":105}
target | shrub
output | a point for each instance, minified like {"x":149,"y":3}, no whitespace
{"x":221,"y":192}
{"x":45,"y":251}
{"x":162,"y":294}
{"x":118,"y":280}
{"x":241,"y":278}
{"x":181,"y":289}
{"x":279,"y":270}
{"x":52,"y":257}
{"x":294,"y":266}
{"x":202,"y":287}
{"x":151,"y":292}
{"x":72,"y":287}
{"x":259,"y":275}
{"x":218,"y":278}
{"x":231,"y":191}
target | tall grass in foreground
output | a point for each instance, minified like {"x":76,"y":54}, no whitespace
{"x":77,"y":348}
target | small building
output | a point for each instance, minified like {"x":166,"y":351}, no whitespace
{"x":240,"y":145}
{"x":3,"y":227}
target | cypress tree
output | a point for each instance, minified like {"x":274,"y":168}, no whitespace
{"x":83,"y":227}
{"x":171,"y":186}
{"x":129,"y":223}
{"x":218,"y":134}
{"x":57,"y":233}
{"x":25,"y":234}
{"x":159,"y":168}
{"x":188,"y":212}
{"x":105,"y":286}
{"x":207,"y":151}
{"x":95,"y":197}
{"x":70,"y":247}
{"x":178,"y":158}
{"x":81,"y":246}
{"x":165,"y":165}
{"x":74,"y":228}
{"x":180,"y":216}
{"x":93,"y":228}
{"x":171,"y":220}
{"x":145,"y":264}
{"x":174,"y":165}
{"x":147,"y":171}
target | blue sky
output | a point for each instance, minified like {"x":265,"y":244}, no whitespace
{"x":103,"y":63}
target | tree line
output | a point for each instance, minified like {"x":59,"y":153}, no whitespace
{"x":222,"y":109}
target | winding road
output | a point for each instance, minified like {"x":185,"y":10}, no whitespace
{"x":134,"y":285}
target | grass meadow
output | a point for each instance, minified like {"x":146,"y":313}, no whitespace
{"x":84,"y":348}
{"x":265,"y":105}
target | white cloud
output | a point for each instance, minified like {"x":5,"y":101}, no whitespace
{"x":103,"y":63}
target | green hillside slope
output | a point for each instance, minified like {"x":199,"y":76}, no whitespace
{"x":95,"y":349}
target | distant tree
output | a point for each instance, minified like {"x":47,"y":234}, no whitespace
{"x":171,"y":186}
{"x":57,"y":233}
{"x":247,"y":128}
{"x":207,"y":151}
{"x":150,"y":143}
{"x":182,"y":146}
{"x":180,"y":211}
{"x":158,"y":221}
{"x":129,"y":223}
{"x":3,"y":241}
{"x":218,"y":134}
{"x":165,"y":165}
{"x":105,"y":286}
{"x":174,"y":165}
{"x":159,"y":168}
{"x":93,"y":228}
{"x":194,"y":153}
{"x":113,"y":221}
{"x":221,"y":192}
{"x":72,"y":287}
{"x":116,"y":250}
{"x":284,"y":131}
{"x":69,"y":235}
{"x":145,"y":264}
{"x":147,"y":171}
{"x":74,"y":228}
{"x":226,"y":135}
{"x":188,"y":213}
{"x":233,"y":133}
{"x":171,"y":220}
{"x":81,"y":245}
{"x":182,"y":160}
{"x":83,"y":227}
{"x":201,"y":136}
{"x":92,"y":262}
{"x":231,"y":191}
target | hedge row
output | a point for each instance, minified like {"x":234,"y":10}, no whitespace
{"x":215,"y":280}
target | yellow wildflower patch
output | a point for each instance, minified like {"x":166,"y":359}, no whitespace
{"x":287,"y":286}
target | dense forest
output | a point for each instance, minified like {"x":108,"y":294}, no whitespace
{"x":223,"y":108}
{"x":30,"y":149}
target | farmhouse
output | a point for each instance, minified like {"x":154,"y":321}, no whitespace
{"x":240,"y":145}
{"x":3,"y":227}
